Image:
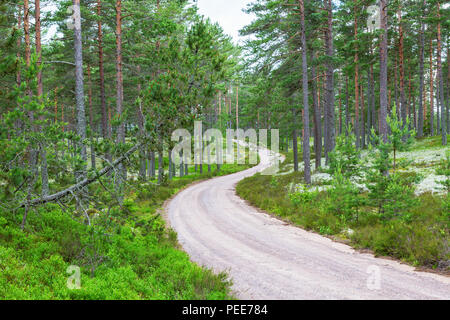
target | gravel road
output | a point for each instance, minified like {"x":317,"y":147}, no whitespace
{"x":268,"y":259}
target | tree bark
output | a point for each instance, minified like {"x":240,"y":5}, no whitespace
{"x":347,"y":106}
{"x":38,"y":43}
{"x":441,"y":80}
{"x":421,"y":79}
{"x":404,"y":108}
{"x":431,"y":90}
{"x":91,"y":118}
{"x":306,"y":150}
{"x":119,"y":92}
{"x":104,"y":111}
{"x":79,"y":91}
{"x":329,"y":86}
{"x":317,"y":116}
{"x":356,"y":61}
{"x":383,"y":69}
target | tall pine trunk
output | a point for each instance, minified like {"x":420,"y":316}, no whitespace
{"x":441,"y":80}
{"x":329,"y":85}
{"x":356,"y":61}
{"x":421,"y":80}
{"x":43,"y":150}
{"x":431,"y":90}
{"x":119,"y":94}
{"x":79,"y":91}
{"x":104,"y":111}
{"x":306,"y":150}
{"x":317,"y":118}
{"x":91,"y":118}
{"x":404,"y":108}
{"x":383,"y":69}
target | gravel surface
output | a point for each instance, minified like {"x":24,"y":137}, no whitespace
{"x":268,"y":259}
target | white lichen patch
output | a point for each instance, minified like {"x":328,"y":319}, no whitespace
{"x":321,"y":178}
{"x":430,"y":184}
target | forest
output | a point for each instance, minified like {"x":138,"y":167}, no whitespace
{"x":92,"y":90}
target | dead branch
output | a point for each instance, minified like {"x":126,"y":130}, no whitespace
{"x":79,"y":186}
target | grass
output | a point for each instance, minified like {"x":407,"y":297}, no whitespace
{"x":127,"y":253}
{"x":428,"y":143}
{"x":420,"y":238}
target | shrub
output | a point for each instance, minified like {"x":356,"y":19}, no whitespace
{"x":444,"y":170}
{"x":346,"y":156}
{"x":399,"y":198}
{"x":302,"y":195}
{"x":344,"y":197}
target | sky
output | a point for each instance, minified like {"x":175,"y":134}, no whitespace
{"x":228,"y":13}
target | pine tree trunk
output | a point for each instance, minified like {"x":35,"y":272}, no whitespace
{"x":119,"y":88}
{"x":356,"y":61}
{"x":447,"y":116}
{"x":329,"y":87}
{"x":43,"y":151}
{"x":421,"y":80}
{"x":383,"y":70}
{"x":32,"y":151}
{"x":431,"y":90}
{"x":317,"y":120}
{"x":441,"y":81}
{"x":160,"y":166}
{"x":340,"y":112}
{"x":79,"y":90}
{"x":404,"y":108}
{"x":170,"y":165}
{"x":306,"y":150}
{"x":140,"y":117}
{"x":363,"y":125}
{"x":295,"y":148}
{"x":347,"y":106}
{"x":369,"y":103}
{"x":104,"y":111}
{"x":91,"y":118}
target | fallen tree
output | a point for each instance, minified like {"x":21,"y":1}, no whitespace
{"x":79,"y":186}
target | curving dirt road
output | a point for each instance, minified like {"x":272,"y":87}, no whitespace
{"x":268,"y":259}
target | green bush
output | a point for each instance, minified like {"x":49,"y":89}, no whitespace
{"x":344,"y":198}
{"x":303,"y":195}
{"x":346,"y":157}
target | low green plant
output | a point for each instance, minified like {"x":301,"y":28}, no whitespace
{"x":344,"y":197}
{"x":346,"y":157}
{"x":444,"y":170}
{"x":302,"y":195}
{"x":398,"y":198}
{"x":391,"y":194}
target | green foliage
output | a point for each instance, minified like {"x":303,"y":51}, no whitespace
{"x":397,"y":199}
{"x":392,"y":194}
{"x":444,"y":170}
{"x":413,"y":228}
{"x":346,"y":157}
{"x":302,"y":195}
{"x":344,"y":197}
{"x":400,"y":136}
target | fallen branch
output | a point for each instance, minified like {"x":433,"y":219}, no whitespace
{"x":79,"y":186}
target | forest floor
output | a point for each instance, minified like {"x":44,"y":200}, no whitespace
{"x":422,"y":161}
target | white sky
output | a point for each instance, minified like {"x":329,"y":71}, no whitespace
{"x":228,"y":13}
